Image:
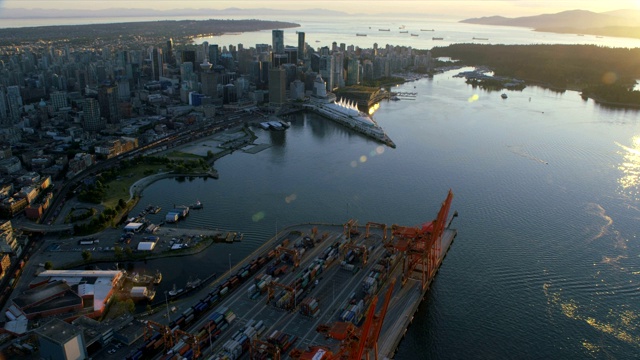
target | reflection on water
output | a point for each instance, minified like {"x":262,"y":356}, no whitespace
{"x":630,"y":168}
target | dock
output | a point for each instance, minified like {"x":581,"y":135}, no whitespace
{"x":310,"y":290}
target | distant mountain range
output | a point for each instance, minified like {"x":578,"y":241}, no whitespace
{"x":618,"y":23}
{"x":122,"y":12}
{"x":572,"y":18}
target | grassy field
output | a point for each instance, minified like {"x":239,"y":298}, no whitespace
{"x":119,"y":188}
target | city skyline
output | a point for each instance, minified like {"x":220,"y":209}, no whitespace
{"x":463,"y":8}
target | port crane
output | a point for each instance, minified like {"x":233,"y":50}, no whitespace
{"x":271,"y":292}
{"x":295,"y":256}
{"x":259,"y":347}
{"x":422,"y":246}
{"x":361,"y":248}
{"x":379,"y":225}
{"x":354,"y":342}
{"x":190,"y":339}
{"x":164,"y":330}
{"x":351,"y":228}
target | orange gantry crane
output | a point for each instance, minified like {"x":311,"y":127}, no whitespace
{"x":351,"y":228}
{"x":361,"y":248}
{"x":422,"y":246}
{"x":190,"y":339}
{"x":164,"y":330}
{"x":354,"y":342}
{"x":271,"y":292}
{"x":374,"y":224}
{"x":259,"y":348}
{"x":295,"y":256}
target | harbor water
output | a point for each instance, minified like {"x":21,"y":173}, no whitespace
{"x":546,"y":261}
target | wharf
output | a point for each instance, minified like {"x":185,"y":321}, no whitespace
{"x":334,"y":287}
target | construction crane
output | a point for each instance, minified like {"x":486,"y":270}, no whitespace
{"x":190,"y":339}
{"x":422,"y":246}
{"x":379,"y":225}
{"x":295,"y":256}
{"x":164,"y":330}
{"x":314,"y":233}
{"x":259,"y":347}
{"x":361,"y":248}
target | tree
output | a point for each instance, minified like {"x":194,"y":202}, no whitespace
{"x":48,"y":265}
{"x":130,"y":306}
{"x":117,"y":251}
{"x":86,"y":255}
{"x":129,"y":252}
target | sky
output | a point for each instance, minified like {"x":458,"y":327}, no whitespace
{"x":512,"y":8}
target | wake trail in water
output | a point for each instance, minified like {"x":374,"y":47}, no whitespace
{"x":523,"y":153}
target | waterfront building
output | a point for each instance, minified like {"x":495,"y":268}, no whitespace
{"x":296,"y":90}
{"x":61,"y":341}
{"x":353,"y":71}
{"x":277,"y":87}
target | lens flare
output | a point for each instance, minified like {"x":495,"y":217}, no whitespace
{"x":473,"y":98}
{"x":363,"y":158}
{"x":258,"y":216}
{"x":609,"y":78}
{"x":289,"y":199}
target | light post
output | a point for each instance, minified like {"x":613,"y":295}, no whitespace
{"x":166,"y":300}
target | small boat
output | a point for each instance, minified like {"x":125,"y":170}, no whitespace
{"x":414,"y":35}
{"x":384,"y":29}
{"x":504,"y":96}
{"x":437,"y":38}
{"x":404,"y":32}
{"x":317,"y":40}
{"x":174,"y":292}
{"x":480,"y":38}
{"x":158,"y":278}
{"x":192,"y":284}
{"x":427,"y":30}
{"x":197,"y":206}
{"x":358,"y":34}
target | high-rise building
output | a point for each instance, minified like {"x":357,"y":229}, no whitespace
{"x":205,"y":65}
{"x":302,"y":47}
{"x":326,"y":70}
{"x":353,"y":71}
{"x":277,"y":41}
{"x":338,"y":69}
{"x":169,"y":59}
{"x":292,"y":55}
{"x":209,"y":83}
{"x":4,"y":111}
{"x":108,"y":99}
{"x":214,"y":54}
{"x":14,"y":101}
{"x":157,"y":63}
{"x":277,"y":87}
{"x":59,"y":100}
{"x":92,"y":119}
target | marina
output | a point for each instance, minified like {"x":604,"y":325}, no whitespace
{"x":312,"y":292}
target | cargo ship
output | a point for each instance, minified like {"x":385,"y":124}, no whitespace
{"x":314,"y":291}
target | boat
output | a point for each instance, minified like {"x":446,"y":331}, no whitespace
{"x":142,"y":293}
{"x":504,"y":96}
{"x":404,"y":32}
{"x":401,"y":27}
{"x":480,"y":38}
{"x":427,"y":30}
{"x":359,"y":34}
{"x":193,"y":283}
{"x":317,"y":40}
{"x":174,"y":292}
{"x":414,"y":34}
{"x":157,"y":278}
{"x":437,"y":38}
{"x":197,"y":206}
{"x":384,"y":29}
{"x":347,"y":113}
{"x":156,"y":210}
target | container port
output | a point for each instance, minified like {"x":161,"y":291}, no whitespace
{"x":311,"y":292}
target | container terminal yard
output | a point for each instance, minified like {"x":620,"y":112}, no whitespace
{"x":311,"y":292}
